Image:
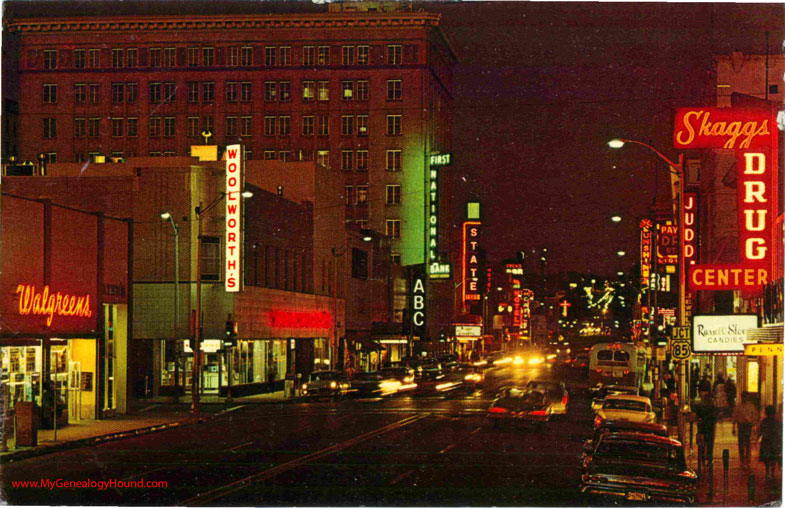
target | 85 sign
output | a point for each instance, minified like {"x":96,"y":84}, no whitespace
{"x":681,"y":349}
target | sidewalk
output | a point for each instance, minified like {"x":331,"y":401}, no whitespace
{"x":747,"y":485}
{"x":145,"y":416}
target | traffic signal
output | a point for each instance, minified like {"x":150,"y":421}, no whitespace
{"x":230,"y":340}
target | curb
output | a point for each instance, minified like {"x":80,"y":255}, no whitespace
{"x":88,"y":441}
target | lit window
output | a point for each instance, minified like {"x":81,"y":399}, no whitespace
{"x":270,"y":88}
{"x":362,"y":194}
{"x":348,"y":90}
{"x":323,"y":55}
{"x":323,"y":90}
{"x":363,"y":55}
{"x":323,"y":157}
{"x":308,"y":90}
{"x":362,"y":125}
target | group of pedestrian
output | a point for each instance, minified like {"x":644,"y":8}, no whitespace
{"x":719,"y":400}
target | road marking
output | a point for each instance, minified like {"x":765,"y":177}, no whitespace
{"x":475,"y":431}
{"x":148,"y":408}
{"x":234,"y":408}
{"x":212,"y":495}
{"x":401,"y":476}
{"x":238,"y":446}
{"x":449,"y":447}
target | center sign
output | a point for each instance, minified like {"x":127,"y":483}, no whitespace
{"x":752,"y":135}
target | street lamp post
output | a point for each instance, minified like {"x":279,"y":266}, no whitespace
{"x":676,"y":168}
{"x":168,"y":216}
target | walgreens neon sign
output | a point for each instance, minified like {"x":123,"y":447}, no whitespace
{"x":293,"y":319}
{"x":50,"y":304}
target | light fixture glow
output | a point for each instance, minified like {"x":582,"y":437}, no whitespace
{"x":616,"y":218}
{"x":165,"y":215}
{"x":616,"y":143}
{"x":621,"y":253}
{"x":246,"y":194}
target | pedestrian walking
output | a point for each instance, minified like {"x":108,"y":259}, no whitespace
{"x":705,"y":384}
{"x":720,"y":400}
{"x":730,"y":390}
{"x":745,"y":418}
{"x":770,"y":434}
{"x":707,"y":421}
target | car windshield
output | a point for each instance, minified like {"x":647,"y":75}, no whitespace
{"x":638,"y":450}
{"x":625,"y":404}
{"x":324,"y":376}
{"x":368,"y":376}
{"x":524,"y":395}
{"x":616,"y":390}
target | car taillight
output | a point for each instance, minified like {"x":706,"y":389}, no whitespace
{"x":626,"y":371}
{"x":539,"y":412}
{"x":564,"y":400}
{"x":597,"y":421}
{"x":497,"y":410}
{"x":599,"y":371}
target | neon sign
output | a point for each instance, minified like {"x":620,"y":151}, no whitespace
{"x":471,"y":262}
{"x":294,"y":319}
{"x":690,"y":227}
{"x":234,"y":177}
{"x":49,"y":304}
{"x":646,"y":241}
{"x":752,"y":135}
{"x":418,"y":301}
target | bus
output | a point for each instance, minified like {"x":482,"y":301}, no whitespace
{"x":616,"y":363}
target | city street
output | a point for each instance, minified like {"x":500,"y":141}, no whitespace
{"x":407,"y":450}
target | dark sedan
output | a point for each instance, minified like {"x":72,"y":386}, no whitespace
{"x":639,"y":468}
{"x":373,"y":384}
{"x":616,"y":426}
{"x":516,"y":404}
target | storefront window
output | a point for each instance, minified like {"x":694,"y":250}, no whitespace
{"x":752,"y":376}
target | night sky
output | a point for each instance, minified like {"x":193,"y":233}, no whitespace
{"x":542,"y":87}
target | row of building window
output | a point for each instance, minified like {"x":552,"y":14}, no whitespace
{"x":318,"y":125}
{"x":358,"y":194}
{"x":236,"y":56}
{"x":204,"y":91}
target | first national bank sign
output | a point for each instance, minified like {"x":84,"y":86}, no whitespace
{"x":234,"y":178}
{"x":752,"y":134}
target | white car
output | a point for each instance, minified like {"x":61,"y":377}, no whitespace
{"x":633,"y":408}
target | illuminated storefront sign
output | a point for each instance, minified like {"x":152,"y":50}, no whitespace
{"x":50,"y":304}
{"x":763,"y":349}
{"x":646,"y":241}
{"x":234,"y":182}
{"x":689,"y":220}
{"x":441,"y":159}
{"x":721,"y":334}
{"x":753,"y":136}
{"x":417,"y":301}
{"x":471,"y":261}
{"x":297,"y":319}
{"x":436,"y":269}
{"x":468,"y":330}
{"x":514,"y":268}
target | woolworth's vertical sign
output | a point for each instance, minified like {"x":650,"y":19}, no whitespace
{"x":234,"y":179}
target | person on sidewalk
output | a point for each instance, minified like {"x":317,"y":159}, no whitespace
{"x":730,"y":390}
{"x":745,"y":418}
{"x":720,"y":400}
{"x":705,"y":384}
{"x":770,"y":435}
{"x":707,"y":421}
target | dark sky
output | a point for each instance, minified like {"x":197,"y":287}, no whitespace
{"x":542,"y":87}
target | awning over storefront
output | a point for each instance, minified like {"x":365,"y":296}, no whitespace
{"x":362,"y":341}
{"x":768,"y":334}
{"x":391,"y":339}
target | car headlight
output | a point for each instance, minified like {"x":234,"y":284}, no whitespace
{"x":408,"y":379}
{"x":305,"y":386}
{"x":333,"y":384}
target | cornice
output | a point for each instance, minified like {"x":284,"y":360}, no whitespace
{"x":232,"y":22}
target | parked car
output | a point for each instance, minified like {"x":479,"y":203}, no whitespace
{"x":606,"y":390}
{"x":326,"y":383}
{"x":473,"y":377}
{"x":516,"y":404}
{"x":448,"y":362}
{"x":374,"y":384}
{"x":403,"y":374}
{"x":556,"y":392}
{"x":639,"y":468}
{"x":429,"y":368}
{"x":615,"y":426}
{"x":625,"y":407}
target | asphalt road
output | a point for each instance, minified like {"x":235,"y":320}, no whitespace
{"x":423,"y":449}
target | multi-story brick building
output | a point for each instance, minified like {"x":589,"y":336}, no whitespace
{"x":364,"y":93}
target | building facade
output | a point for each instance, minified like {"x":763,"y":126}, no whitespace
{"x":364,"y":93}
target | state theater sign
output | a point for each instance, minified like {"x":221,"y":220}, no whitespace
{"x":752,"y":135}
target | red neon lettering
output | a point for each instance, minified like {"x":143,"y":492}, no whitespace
{"x":49,"y":305}
{"x":232,"y":153}
{"x":232,"y":209}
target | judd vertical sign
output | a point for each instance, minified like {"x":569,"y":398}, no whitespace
{"x":752,"y":134}
{"x":689,"y":220}
{"x":234,"y":179}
